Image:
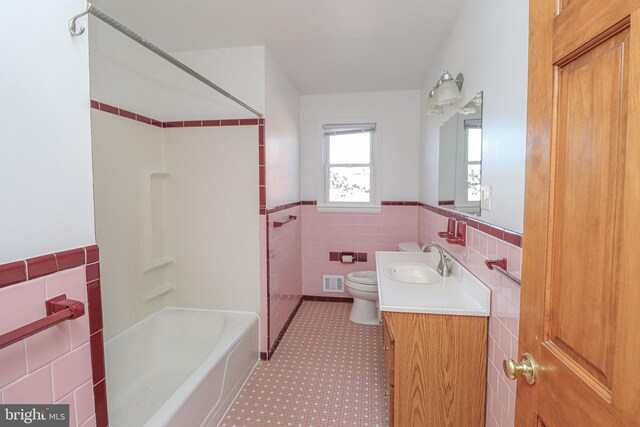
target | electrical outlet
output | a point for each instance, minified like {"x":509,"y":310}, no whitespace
{"x":485,"y":197}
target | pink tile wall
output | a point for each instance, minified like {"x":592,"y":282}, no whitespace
{"x":284,"y":269}
{"x":350,"y":232}
{"x":53,"y":366}
{"x":505,"y":307}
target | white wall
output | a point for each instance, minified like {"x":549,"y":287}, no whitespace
{"x":45,"y":136}
{"x":488,"y":43}
{"x":124,"y":152}
{"x":214,"y":214}
{"x":128,"y":76}
{"x":282,"y":135}
{"x":399,"y":114}
{"x":238,"y":70}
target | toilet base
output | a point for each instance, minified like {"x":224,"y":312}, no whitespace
{"x":365,"y":312}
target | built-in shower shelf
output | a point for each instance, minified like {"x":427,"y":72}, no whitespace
{"x":158,"y":263}
{"x":157,"y":292}
{"x":154,"y":247}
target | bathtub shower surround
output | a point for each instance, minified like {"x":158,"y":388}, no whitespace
{"x":175,"y":231}
{"x":65,"y":363}
{"x":180,"y":367}
{"x":505,"y":302}
{"x":165,"y":238}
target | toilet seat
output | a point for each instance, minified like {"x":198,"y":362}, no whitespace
{"x":366,"y":281}
{"x":366,"y":277}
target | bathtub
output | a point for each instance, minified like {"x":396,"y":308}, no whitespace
{"x":179,"y":367}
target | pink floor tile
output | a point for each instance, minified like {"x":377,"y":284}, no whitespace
{"x":326,"y":371}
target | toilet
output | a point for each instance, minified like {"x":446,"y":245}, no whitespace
{"x":363,"y":287}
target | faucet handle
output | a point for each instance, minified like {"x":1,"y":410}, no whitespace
{"x":446,"y":270}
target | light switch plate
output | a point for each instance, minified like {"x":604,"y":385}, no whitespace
{"x":485,"y":197}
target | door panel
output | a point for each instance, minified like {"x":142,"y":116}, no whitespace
{"x":589,"y":163}
{"x":581,"y":268}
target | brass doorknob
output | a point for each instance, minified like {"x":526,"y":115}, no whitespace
{"x":527,"y":368}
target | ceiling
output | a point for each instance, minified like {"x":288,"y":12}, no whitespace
{"x":327,"y":46}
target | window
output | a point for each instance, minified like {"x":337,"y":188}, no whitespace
{"x":349,"y":174}
{"x":473,"y":159}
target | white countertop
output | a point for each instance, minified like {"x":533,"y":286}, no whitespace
{"x":461,"y":294}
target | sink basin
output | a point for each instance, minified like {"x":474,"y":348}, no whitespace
{"x":408,"y":282}
{"x":412,"y":273}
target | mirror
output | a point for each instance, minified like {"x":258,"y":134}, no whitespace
{"x":460,"y":163}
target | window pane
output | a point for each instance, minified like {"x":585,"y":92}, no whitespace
{"x":473,"y":180}
{"x":350,"y":184}
{"x":474,"y":144}
{"x":350,"y":148}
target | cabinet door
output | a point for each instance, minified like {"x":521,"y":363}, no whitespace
{"x":388,"y":348}
{"x":391,"y":407}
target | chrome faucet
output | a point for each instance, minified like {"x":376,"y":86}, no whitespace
{"x":443,"y":266}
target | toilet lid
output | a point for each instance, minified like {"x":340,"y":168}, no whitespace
{"x":364,"y":277}
{"x":409,"y":247}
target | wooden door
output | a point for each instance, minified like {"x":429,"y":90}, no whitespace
{"x":581,"y":267}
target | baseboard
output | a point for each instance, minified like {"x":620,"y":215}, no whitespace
{"x":326,"y":299}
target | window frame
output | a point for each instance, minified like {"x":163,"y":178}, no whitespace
{"x":471,"y":124}
{"x":323,"y":203}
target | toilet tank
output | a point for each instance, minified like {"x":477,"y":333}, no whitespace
{"x":409,"y":247}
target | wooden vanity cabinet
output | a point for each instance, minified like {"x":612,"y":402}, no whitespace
{"x":435,"y":368}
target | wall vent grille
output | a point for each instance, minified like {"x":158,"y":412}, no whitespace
{"x":332,"y":283}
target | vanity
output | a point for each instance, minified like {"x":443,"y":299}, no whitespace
{"x":435,"y":341}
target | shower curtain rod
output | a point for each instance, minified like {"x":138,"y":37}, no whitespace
{"x":153,"y":48}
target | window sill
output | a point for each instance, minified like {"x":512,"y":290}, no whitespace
{"x":352,"y":209}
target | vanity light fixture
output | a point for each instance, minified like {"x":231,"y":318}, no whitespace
{"x":473,"y":106}
{"x":431,"y":106}
{"x":448,"y":89}
{"x":468,"y":109}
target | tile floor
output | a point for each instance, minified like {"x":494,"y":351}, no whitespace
{"x":326,"y":371}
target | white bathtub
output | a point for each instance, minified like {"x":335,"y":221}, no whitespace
{"x":179,"y":367}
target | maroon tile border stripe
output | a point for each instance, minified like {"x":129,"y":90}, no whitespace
{"x":503,"y":234}
{"x":399,"y":203}
{"x":326,"y":299}
{"x":20,"y":271}
{"x":173,"y":123}
{"x":282,"y":207}
{"x":383,"y":203}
